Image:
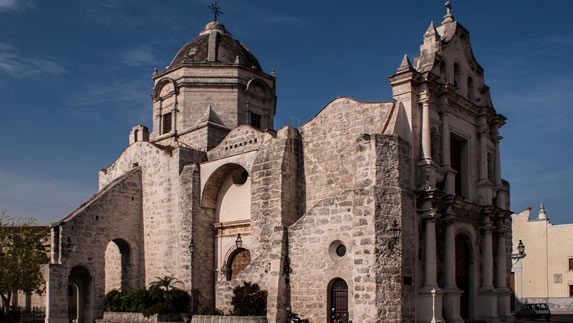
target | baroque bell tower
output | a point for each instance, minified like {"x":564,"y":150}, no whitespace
{"x":212,"y":85}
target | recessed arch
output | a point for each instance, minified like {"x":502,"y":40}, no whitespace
{"x":79,"y":293}
{"x":117,"y":265}
{"x":159,"y":87}
{"x":216,"y":179}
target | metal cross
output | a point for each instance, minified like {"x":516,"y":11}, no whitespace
{"x":216,"y":10}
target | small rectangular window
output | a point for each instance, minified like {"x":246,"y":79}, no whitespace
{"x":570,"y":264}
{"x":167,"y":123}
{"x":255,"y":120}
{"x":570,"y":290}
{"x":457,"y":162}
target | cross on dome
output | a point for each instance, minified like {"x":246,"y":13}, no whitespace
{"x":216,"y":10}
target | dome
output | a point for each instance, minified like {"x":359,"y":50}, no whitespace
{"x":215,"y":45}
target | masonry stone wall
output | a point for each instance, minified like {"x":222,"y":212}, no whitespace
{"x":166,"y":205}
{"x":395,"y":201}
{"x":85,"y":235}
{"x":328,"y":142}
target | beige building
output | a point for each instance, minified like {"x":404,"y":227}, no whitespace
{"x":546,"y":273}
{"x":391,"y":211}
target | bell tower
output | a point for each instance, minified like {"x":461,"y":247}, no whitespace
{"x":212,"y":85}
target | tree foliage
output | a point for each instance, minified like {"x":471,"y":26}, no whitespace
{"x":249,"y":300}
{"x":22,"y":252}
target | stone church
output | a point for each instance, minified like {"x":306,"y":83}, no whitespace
{"x":391,"y":211}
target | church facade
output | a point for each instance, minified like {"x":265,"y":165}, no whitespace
{"x":389,"y":211}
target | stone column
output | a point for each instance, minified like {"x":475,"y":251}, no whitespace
{"x":501,"y":198}
{"x":503,"y":299}
{"x":449,"y":186}
{"x":487,"y":258}
{"x":430,"y":295}
{"x":426,"y":129}
{"x":431,"y":257}
{"x":452,"y":292}
{"x":487,"y":294}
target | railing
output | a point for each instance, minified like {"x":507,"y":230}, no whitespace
{"x":19,"y":314}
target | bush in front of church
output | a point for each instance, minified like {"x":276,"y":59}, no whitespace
{"x":249,"y":300}
{"x":148,"y":302}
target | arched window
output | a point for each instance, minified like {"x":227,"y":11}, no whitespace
{"x":238,"y":261}
{"x":136,"y":135}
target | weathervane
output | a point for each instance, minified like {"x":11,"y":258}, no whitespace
{"x":216,"y":10}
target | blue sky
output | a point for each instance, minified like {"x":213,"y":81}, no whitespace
{"x":75,"y":76}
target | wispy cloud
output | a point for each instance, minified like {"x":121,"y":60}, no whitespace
{"x":100,"y":102}
{"x":45,"y":198}
{"x":16,"y":5}
{"x":139,"y":56}
{"x":14,"y":64}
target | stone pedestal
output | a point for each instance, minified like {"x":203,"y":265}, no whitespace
{"x":430,"y":306}
{"x":451,"y":301}
{"x":487,"y":304}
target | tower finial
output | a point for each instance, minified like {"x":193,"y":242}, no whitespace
{"x":216,"y":10}
{"x":542,"y":214}
{"x":448,"y":17}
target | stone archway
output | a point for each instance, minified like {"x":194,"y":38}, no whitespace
{"x":464,"y":262}
{"x":79,"y":292}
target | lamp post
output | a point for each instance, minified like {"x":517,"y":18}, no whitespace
{"x":520,"y":252}
{"x":191,"y":251}
{"x":239,"y":241}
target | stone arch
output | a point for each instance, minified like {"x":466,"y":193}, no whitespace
{"x":216,"y":180}
{"x":80,"y":294}
{"x":254,"y":84}
{"x":225,"y":206}
{"x":337,"y":301}
{"x":159,"y":86}
{"x":118,"y":264}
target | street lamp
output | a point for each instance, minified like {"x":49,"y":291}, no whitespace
{"x":394,"y":235}
{"x":191,"y":247}
{"x":239,"y":241}
{"x":520,"y":252}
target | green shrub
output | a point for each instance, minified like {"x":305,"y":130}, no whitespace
{"x":149,"y":302}
{"x":114,"y":301}
{"x":249,"y":300}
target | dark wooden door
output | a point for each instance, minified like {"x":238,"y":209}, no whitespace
{"x":463,"y":253}
{"x":339,"y":301}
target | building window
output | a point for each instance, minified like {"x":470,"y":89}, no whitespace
{"x":570,"y":264}
{"x":255,"y":120}
{"x":570,"y":290}
{"x":470,"y":88}
{"x":457,"y":76}
{"x":239,"y":260}
{"x":167,"y":123}
{"x":457,"y":160}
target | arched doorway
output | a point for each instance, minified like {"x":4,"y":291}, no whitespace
{"x":78,"y":293}
{"x":338,"y":301}
{"x":463,"y":276}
